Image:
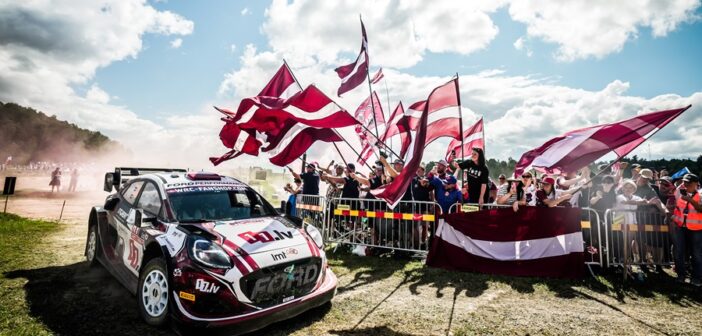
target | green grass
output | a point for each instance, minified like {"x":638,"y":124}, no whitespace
{"x":19,"y":242}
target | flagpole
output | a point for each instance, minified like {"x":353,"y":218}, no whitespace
{"x":370,"y":89}
{"x":338,"y":151}
{"x":387,"y":97}
{"x":460,"y":125}
{"x":353,"y":149}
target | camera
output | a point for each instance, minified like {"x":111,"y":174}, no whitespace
{"x":683,"y":192}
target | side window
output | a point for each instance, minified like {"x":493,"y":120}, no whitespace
{"x":132,"y":191}
{"x":150,"y":200}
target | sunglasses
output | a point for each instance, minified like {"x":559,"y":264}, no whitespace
{"x":526,"y":176}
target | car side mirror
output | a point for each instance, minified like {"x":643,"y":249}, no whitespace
{"x":111,"y":203}
{"x":109,"y":182}
{"x":138,"y":218}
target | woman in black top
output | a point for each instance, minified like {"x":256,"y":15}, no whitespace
{"x":477,"y":173}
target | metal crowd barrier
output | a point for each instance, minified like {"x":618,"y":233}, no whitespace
{"x":312,"y":209}
{"x":638,"y":238}
{"x":370,"y":222}
{"x":470,"y":207}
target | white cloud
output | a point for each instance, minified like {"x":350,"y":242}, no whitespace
{"x":47,"y":47}
{"x":232,"y":48}
{"x":399,"y":33}
{"x":245,"y":11}
{"x":175,"y":44}
{"x":97,"y":95}
{"x":519,"y":45}
{"x":585,"y":29}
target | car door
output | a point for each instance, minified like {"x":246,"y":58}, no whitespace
{"x":120,"y":234}
{"x":149,"y":202}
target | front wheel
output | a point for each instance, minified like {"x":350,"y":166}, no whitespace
{"x":91,"y":246}
{"x":152,"y":294}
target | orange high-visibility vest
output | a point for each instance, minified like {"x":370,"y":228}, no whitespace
{"x":694,"y":218}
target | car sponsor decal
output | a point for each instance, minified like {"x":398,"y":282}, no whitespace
{"x":173,"y":239}
{"x":265,"y":236}
{"x":292,"y":276}
{"x":204,"y":183}
{"x":205,"y":188}
{"x":206,"y":286}
{"x":291,"y":251}
{"x":177,"y":272}
{"x":186,"y":296}
{"x":279,"y":256}
{"x":122,"y":214}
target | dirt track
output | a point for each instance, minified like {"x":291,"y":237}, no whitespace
{"x":378,"y":296}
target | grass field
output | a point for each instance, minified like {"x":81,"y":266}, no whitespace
{"x":48,"y":288}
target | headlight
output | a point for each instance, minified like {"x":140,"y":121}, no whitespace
{"x":210,"y":254}
{"x":314,"y":233}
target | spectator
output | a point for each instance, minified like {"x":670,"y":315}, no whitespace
{"x":547,"y":195}
{"x":501,"y":180}
{"x":349,"y":185}
{"x":74,"y":180}
{"x":334,"y":189}
{"x":635,"y":171}
{"x":688,"y":229}
{"x":446,"y":192}
{"x":464,"y":193}
{"x":529,"y":188}
{"x":291,"y":206}
{"x":310,"y":180}
{"x":478,"y":177}
{"x":605,"y":196}
{"x":55,"y":179}
{"x":512,"y":193}
{"x":647,"y":192}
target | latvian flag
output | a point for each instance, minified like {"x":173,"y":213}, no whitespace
{"x":539,"y":242}
{"x":352,"y":75}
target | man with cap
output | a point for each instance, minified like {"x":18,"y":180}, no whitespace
{"x":446,"y":192}
{"x":348,"y":184}
{"x":310,"y":180}
{"x":687,"y":217}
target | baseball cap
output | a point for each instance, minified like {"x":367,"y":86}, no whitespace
{"x":666,"y":179}
{"x":442,"y":162}
{"x":399,"y":161}
{"x":636,"y":165}
{"x":646,"y":173}
{"x":351,"y":166}
{"x":501,"y":177}
{"x":310,"y":165}
{"x":691,"y":178}
{"x":548,"y":180}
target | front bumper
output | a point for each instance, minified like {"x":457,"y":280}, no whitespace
{"x":244,"y":323}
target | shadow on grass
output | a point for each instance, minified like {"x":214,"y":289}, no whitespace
{"x":81,"y":300}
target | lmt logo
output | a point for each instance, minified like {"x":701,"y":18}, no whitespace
{"x":279,"y":256}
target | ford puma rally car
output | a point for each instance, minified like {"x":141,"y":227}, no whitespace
{"x":206,"y":250}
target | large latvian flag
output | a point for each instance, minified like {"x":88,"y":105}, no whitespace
{"x":540,"y":242}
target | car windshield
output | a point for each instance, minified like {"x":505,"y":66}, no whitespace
{"x":215,"y":205}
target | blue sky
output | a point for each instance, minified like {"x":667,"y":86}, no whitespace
{"x":148,"y":72}
{"x":191,"y":74}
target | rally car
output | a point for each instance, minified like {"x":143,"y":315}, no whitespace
{"x":206,"y":250}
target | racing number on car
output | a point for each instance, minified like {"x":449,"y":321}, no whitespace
{"x":133,"y":255}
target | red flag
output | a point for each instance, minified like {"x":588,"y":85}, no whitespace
{"x":398,"y":123}
{"x":352,"y":75}
{"x":310,"y":107}
{"x":472,"y":137}
{"x":393,"y":191}
{"x":378,"y":76}
{"x":578,"y":148}
{"x":282,"y":85}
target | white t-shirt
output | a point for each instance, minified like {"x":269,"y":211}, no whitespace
{"x":629,"y":210}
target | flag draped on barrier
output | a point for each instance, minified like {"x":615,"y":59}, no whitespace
{"x":578,"y":148}
{"x":535,"y":241}
{"x":352,"y":75}
{"x":472,"y":137}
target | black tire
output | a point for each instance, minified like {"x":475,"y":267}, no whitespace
{"x":92,"y":246}
{"x":153,"y":293}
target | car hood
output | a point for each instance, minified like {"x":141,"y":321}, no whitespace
{"x":257,"y":235}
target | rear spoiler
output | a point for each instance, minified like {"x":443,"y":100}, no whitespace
{"x":123,"y":174}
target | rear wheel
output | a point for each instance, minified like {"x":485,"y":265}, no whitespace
{"x":91,"y":246}
{"x":152,"y":294}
